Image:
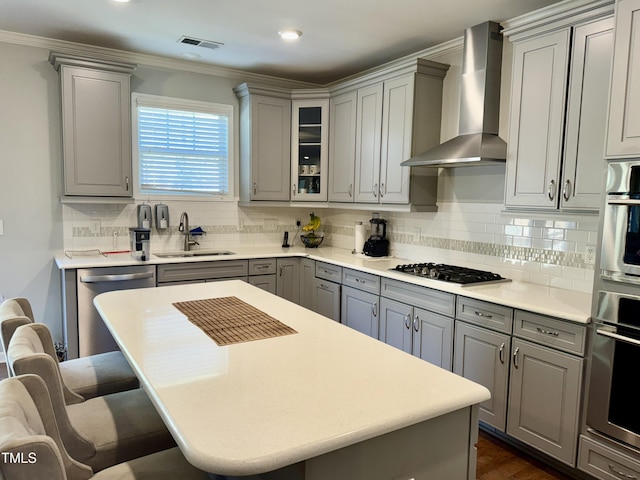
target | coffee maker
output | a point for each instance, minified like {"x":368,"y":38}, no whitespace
{"x":377,"y":245}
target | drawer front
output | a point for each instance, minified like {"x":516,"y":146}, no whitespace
{"x":179,"y":272}
{"x":605,"y":463}
{"x":328,"y":272}
{"x":553,"y":332}
{"x":361,"y":280}
{"x":262,"y":266}
{"x":496,"y":317}
{"x":417,"y":296}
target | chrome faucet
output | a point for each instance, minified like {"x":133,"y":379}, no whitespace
{"x":184,"y":229}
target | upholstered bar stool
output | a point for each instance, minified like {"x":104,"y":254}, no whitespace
{"x":102,"y":431}
{"x":88,"y":377}
{"x":28,"y":430}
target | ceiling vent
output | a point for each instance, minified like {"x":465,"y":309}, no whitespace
{"x":197,"y":42}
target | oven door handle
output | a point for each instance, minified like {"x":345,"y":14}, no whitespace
{"x":622,"y":200}
{"x":615,"y":336}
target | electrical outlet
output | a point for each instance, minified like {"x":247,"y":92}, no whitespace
{"x":298,"y":223}
{"x":590,"y":256}
{"x":94,"y":226}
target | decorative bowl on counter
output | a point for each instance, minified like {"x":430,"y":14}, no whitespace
{"x":312,"y":239}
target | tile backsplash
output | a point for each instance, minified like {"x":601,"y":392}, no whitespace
{"x":534,"y":249}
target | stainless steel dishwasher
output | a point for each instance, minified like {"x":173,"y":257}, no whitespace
{"x":93,"y":335}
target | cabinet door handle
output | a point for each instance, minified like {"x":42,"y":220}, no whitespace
{"x":280,"y":270}
{"x":484,"y":315}
{"x":621,"y":474}
{"x":351,"y":190}
{"x":566,"y":190}
{"x":515,"y":357}
{"x":547,"y":332}
{"x":416,"y":323}
{"x":375,"y":190}
{"x":255,"y":188}
{"x":293,"y":190}
{"x":126,"y":182}
{"x":382,"y":190}
{"x":501,"y":353}
{"x":551,"y":189}
{"x":325,"y":286}
{"x":374,"y":309}
{"x":407,"y":321}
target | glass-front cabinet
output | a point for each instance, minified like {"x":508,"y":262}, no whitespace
{"x":309,"y":159}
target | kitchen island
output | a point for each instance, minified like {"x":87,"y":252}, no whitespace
{"x":323,"y":402}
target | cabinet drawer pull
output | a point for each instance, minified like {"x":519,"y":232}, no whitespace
{"x":566,"y":190}
{"x":358,"y":280}
{"x":483,"y":315}
{"x":325,"y":286}
{"x":264,"y":266}
{"x":551,"y":190}
{"x":547,"y":332}
{"x":407,"y":321}
{"x":515,"y":357}
{"x":501,"y":353}
{"x":375,"y":190}
{"x":416,"y":323}
{"x":328,"y":272}
{"x":621,"y":474}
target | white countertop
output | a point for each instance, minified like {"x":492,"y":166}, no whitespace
{"x":258,"y":406}
{"x":566,"y":304}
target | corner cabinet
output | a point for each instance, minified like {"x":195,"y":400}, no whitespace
{"x":378,"y":123}
{"x":265,"y":142}
{"x":623,"y":136}
{"x":309,"y":155}
{"x":96,"y":125}
{"x":557,"y":134}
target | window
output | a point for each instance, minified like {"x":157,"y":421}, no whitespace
{"x":182,"y":147}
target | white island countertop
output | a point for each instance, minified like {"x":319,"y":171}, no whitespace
{"x":555,"y":302}
{"x":261,"y":405}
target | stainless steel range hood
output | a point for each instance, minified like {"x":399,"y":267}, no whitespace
{"x":478,"y":142}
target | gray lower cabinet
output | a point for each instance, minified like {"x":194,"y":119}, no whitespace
{"x":262,"y":273}
{"x":544,"y":399}
{"x":360,"y":310}
{"x":425,"y":334}
{"x":605,"y":462}
{"x":288,"y":279}
{"x":307,"y":283}
{"x":415,"y":319}
{"x":481,"y":355}
{"x":327,"y":298}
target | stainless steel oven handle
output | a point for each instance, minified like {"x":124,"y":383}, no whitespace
{"x":615,"y":336}
{"x":622,"y":201}
{"x":115,"y":278}
{"x":620,"y":474}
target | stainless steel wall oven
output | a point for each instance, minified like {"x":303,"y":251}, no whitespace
{"x":614,"y":391}
{"x":620,"y":257}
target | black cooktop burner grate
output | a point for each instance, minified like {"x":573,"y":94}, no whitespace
{"x":450,"y":273}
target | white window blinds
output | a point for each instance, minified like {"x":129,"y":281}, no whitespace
{"x":182,"y":151}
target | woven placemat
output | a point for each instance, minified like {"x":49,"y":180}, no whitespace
{"x":229,"y":320}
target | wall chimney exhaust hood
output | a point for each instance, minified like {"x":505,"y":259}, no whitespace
{"x":478,"y":142}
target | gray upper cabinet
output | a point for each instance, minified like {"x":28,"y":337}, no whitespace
{"x":623,"y":136}
{"x":342,"y":147}
{"x":368,"y":138}
{"x":557,"y":134}
{"x":265,"y":142}
{"x":96,"y":126}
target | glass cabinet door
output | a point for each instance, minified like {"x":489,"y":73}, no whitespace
{"x":309,"y":150}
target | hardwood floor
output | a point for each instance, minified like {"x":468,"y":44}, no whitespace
{"x":499,"y":461}
{"x":496,"y":459}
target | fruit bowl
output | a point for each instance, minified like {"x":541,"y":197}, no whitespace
{"x":311,"y":239}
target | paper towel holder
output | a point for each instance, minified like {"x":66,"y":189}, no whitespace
{"x":162,"y":216}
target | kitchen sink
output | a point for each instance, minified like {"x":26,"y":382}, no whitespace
{"x":195,"y":253}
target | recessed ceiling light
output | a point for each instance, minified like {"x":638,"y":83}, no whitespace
{"x":290,"y":34}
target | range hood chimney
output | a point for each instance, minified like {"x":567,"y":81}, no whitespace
{"x":477,"y":142}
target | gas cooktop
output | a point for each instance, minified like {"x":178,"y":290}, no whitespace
{"x":450,"y":273}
